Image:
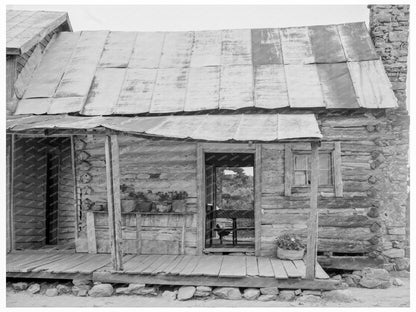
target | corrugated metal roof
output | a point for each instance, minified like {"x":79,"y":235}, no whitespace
{"x":243,"y":127}
{"x":106,"y":73}
{"x":27,"y":28}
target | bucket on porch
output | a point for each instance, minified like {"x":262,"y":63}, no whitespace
{"x":128,"y":205}
{"x":286,"y":254}
{"x":144,"y":206}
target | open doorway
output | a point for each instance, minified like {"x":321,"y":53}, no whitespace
{"x":229,"y":181}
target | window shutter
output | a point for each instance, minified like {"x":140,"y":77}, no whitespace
{"x":337,"y":169}
{"x":288,"y":169}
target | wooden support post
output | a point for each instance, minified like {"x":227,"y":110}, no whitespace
{"x":113,"y":200}
{"x":200,"y":188}
{"x":313,"y":215}
{"x":75,"y":187}
{"x":257,"y":199}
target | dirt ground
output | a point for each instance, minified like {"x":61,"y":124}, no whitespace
{"x":391,"y":297}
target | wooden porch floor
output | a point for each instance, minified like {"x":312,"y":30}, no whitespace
{"x":238,"y":271}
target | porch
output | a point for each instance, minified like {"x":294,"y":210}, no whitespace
{"x":210,"y":270}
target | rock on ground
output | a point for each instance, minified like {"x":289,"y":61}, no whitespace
{"x":51,"y":292}
{"x":341,"y":295}
{"x":308,"y":299}
{"x":63,"y":289}
{"x":81,"y":290}
{"x":20,"y":286}
{"x":337,"y":277}
{"x":375,"y":278}
{"x":251,"y":293}
{"x":397,"y":282}
{"x":230,"y":293}
{"x":34,"y":288}
{"x":122,"y":291}
{"x":269,"y":291}
{"x":170,"y":295}
{"x":101,"y":290}
{"x":298,"y":292}
{"x":203,"y":291}
{"x":267,"y":298}
{"x":186,"y":293}
{"x":287,"y":295}
{"x":307,"y":292}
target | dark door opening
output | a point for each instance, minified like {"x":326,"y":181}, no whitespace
{"x":229,"y":189}
{"x":52,"y":183}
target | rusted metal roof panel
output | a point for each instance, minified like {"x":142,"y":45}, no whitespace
{"x":304,"y":86}
{"x":249,"y":127}
{"x":174,"y":72}
{"x":25,"y":29}
{"x":357,"y":42}
{"x":48,"y":74}
{"x":337,"y":88}
{"x":266,"y":46}
{"x":118,"y":49}
{"x":296,"y":46}
{"x":371,"y":84}
{"x":326,"y":44}
{"x":270,"y":86}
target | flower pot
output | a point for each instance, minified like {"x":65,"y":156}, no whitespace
{"x":144,"y":206}
{"x":286,"y":254}
{"x":178,"y":205}
{"x":163,"y":207}
{"x":128,"y":205}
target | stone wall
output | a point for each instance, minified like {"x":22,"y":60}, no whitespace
{"x":389,"y":29}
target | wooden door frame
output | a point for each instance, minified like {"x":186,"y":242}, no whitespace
{"x":203,"y":148}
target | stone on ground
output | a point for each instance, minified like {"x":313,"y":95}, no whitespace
{"x":203,"y":291}
{"x":81,"y":290}
{"x":34,"y":288}
{"x":341,"y":295}
{"x":51,"y":292}
{"x":204,"y":288}
{"x":269,"y":291}
{"x":81,"y":281}
{"x":267,"y":298}
{"x":122,"y":291}
{"x":375,"y":278}
{"x":170,"y":295}
{"x":286,"y":295}
{"x":63,"y":289}
{"x":101,"y":290}
{"x":298,"y":292}
{"x":231,"y":293}
{"x":20,"y":286}
{"x":251,"y":293}
{"x":402,"y":263}
{"x":337,"y":277}
{"x":186,"y":293}
{"x":311,"y":299}
{"x":397,"y":282}
{"x":312,"y":292}
{"x":148,"y":290}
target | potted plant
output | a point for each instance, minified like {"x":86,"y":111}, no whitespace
{"x":143,"y":202}
{"x":179,"y":201}
{"x":164,"y":204}
{"x":290,"y":247}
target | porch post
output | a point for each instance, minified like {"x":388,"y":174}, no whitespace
{"x":313,"y":214}
{"x":113,"y":200}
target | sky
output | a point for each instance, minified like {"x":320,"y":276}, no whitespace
{"x":202,"y":17}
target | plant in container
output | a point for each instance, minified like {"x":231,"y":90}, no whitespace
{"x":164,"y":204}
{"x":143,"y":202}
{"x":290,"y":247}
{"x":179,"y":201}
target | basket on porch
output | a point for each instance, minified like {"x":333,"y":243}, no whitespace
{"x":289,"y":247}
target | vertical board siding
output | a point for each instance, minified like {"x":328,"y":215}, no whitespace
{"x":159,"y":166}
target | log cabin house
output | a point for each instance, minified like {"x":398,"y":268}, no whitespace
{"x":106,"y":129}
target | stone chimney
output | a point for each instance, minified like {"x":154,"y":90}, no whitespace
{"x":389,"y":29}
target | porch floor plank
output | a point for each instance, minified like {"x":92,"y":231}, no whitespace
{"x":187,"y":270}
{"x":291,"y":269}
{"x":212,"y":270}
{"x":278,"y":269}
{"x":168,"y":259}
{"x":161,"y":259}
{"x":252,"y":268}
{"x":173,"y":264}
{"x":233,"y":266}
{"x":94,"y":263}
{"x":265,"y":267}
{"x":141,"y":265}
{"x":300,"y":265}
{"x":208,"y":266}
{"x":181,"y":265}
